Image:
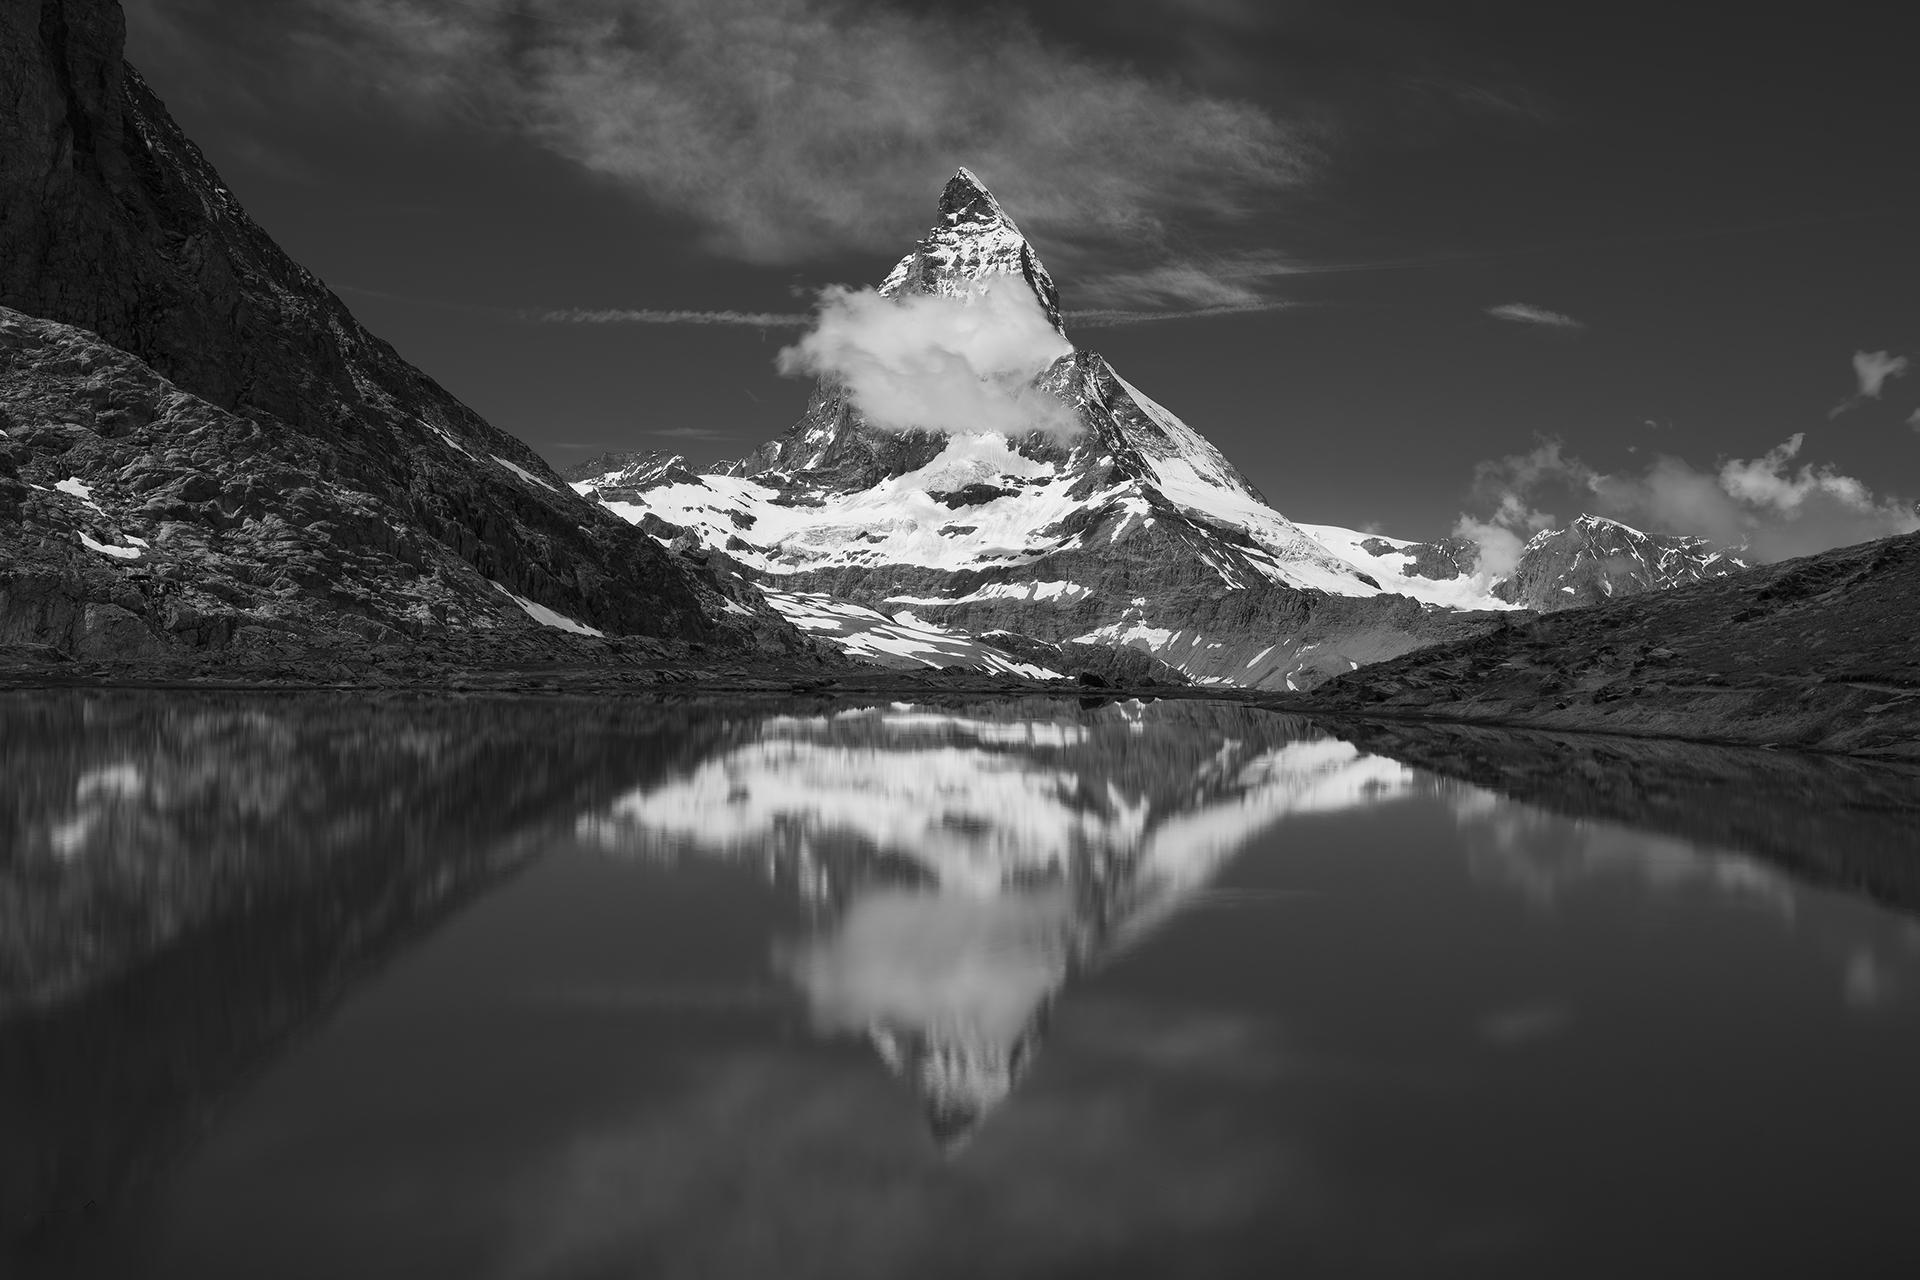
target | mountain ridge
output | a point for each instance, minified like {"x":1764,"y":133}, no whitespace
{"x":120,"y":230}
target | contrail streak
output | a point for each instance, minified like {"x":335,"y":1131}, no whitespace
{"x":1113,"y":318}
{"x":628,"y":315}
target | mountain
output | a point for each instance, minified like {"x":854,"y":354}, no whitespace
{"x":1595,"y":559}
{"x":1132,"y":531}
{"x":1815,"y":653}
{"x":204,"y":450}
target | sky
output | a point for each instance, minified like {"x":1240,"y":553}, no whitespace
{"x":1422,"y":269}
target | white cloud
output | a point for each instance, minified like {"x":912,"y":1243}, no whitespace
{"x":1874,"y":369}
{"x":1500,"y":547}
{"x":944,"y":363}
{"x":1499,"y":536}
{"x":1526,"y":313}
{"x":1767,"y":505}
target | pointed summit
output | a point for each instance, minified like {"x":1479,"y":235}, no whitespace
{"x":974,"y":241}
{"x":967,"y":197}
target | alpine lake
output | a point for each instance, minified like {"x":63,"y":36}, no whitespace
{"x":301,"y":985}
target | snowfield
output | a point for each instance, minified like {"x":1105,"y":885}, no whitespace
{"x":1469,"y":591}
{"x":901,"y":641}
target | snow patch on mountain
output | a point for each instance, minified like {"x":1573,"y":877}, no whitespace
{"x":547,"y":617}
{"x":119,"y":553}
{"x":521,"y":471}
{"x":901,"y":640}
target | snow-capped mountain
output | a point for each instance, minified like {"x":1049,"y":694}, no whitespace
{"x":1134,"y":531}
{"x":1595,"y":559}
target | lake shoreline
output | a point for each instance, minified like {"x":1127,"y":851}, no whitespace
{"x":1890,"y":732}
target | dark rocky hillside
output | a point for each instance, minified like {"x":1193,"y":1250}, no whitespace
{"x":1816,"y":653}
{"x":335,"y":490}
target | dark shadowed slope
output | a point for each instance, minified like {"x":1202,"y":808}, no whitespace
{"x":270,"y":403}
{"x":1818,"y":653}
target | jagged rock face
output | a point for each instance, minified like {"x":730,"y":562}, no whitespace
{"x":138,"y":521}
{"x":1594,"y":560}
{"x":1442,"y":559}
{"x":116,"y":223}
{"x":1134,"y":531}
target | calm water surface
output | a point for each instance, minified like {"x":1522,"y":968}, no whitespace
{"x":312,"y":987}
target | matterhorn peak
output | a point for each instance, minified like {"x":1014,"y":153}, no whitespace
{"x":973,"y":242}
{"x":966,"y":197}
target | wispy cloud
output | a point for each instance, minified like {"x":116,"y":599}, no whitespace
{"x":789,"y":130}
{"x":1112,"y":319}
{"x":1872,"y":370}
{"x":689,"y":433}
{"x":1090,"y":318}
{"x":1775,"y":505}
{"x":1527,"y":313}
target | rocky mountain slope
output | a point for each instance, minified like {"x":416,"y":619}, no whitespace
{"x":203,"y":448}
{"x":1816,"y":653}
{"x":1595,"y":559}
{"x":1133,"y":531}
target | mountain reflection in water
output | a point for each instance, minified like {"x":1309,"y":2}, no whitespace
{"x":313,"y":985}
{"x":967,"y":865}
